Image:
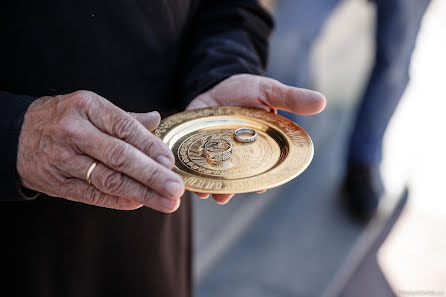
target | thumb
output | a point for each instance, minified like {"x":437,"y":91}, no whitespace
{"x":296,"y":100}
{"x":150,"y":120}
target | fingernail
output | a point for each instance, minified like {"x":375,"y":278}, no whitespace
{"x":169,"y":204}
{"x":155,"y":114}
{"x":163,"y":160}
{"x":174,"y":189}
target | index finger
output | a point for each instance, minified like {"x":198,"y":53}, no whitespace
{"x":115,"y":122}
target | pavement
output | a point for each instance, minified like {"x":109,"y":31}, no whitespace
{"x":296,"y":240}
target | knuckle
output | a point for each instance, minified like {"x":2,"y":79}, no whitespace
{"x":92,"y":196}
{"x":82,"y":93}
{"x":61,"y":156}
{"x":154,"y":147}
{"x":61,"y":135}
{"x":65,"y":128}
{"x":149,"y":145}
{"x":124,"y":127}
{"x":62,"y":127}
{"x":154,"y":176}
{"x":266,"y":88}
{"x":148,"y":197}
{"x":270,"y":87}
{"x":118,"y":155}
{"x":84,"y":99}
{"x":113,"y":182}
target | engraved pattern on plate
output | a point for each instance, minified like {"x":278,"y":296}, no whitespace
{"x":248,"y":159}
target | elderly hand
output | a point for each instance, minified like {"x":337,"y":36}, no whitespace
{"x":62,"y":136}
{"x":261,"y":92}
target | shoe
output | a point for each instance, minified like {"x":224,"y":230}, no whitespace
{"x":362,"y":190}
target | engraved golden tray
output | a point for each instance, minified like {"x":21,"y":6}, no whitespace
{"x":281,"y":151}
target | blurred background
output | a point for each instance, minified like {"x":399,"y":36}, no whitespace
{"x":297,"y":239}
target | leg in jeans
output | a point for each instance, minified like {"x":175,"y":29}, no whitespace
{"x":397,"y":29}
{"x":398,"y":24}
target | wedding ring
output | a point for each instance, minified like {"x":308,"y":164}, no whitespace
{"x":217,"y":150}
{"x":90,"y":171}
{"x":245,"y":135}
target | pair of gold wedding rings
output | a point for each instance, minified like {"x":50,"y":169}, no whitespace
{"x":219,"y":150}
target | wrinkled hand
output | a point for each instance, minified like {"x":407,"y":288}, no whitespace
{"x":257,"y":91}
{"x":62,"y":136}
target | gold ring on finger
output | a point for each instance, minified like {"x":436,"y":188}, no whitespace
{"x":90,"y":171}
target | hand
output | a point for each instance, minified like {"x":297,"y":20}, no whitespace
{"x":261,"y":92}
{"x":62,"y":136}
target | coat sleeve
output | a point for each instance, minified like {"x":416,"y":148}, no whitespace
{"x":226,"y":37}
{"x":12,"y":111}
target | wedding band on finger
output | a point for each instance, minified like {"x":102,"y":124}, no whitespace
{"x":245,"y":135}
{"x":90,"y":171}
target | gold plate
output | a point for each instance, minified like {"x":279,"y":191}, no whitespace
{"x":281,"y":151}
